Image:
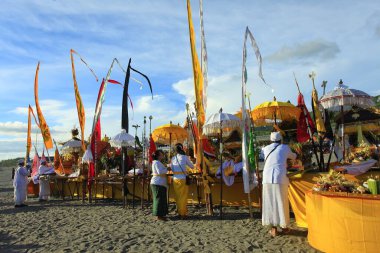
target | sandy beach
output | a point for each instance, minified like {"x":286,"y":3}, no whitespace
{"x":70,"y":226}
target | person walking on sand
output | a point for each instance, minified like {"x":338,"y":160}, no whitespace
{"x":181,"y":189}
{"x":20,"y":184}
{"x":159,"y":184}
{"x":44,"y":182}
{"x":275,"y":185}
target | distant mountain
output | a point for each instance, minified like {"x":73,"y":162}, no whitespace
{"x":9,"y":162}
{"x":376,"y":100}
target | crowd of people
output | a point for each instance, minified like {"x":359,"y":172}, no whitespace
{"x":275,"y":209}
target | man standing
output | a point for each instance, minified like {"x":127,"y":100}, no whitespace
{"x":275,"y":185}
{"x":20,"y":184}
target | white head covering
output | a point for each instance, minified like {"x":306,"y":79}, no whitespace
{"x":275,"y":136}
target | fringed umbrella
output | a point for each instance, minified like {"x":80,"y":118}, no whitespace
{"x":73,"y":145}
{"x":275,"y":110}
{"x":169,"y":133}
{"x":228,"y":122}
{"x":122,"y":139}
{"x":343,"y":98}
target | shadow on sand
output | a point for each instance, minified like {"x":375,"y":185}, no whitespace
{"x":7,"y":246}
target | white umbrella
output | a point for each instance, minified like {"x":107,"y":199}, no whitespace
{"x":229,"y":123}
{"x":73,"y":145}
{"x":122,"y":139}
{"x":342,"y":97}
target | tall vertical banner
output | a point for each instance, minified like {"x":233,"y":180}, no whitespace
{"x":247,"y":152}
{"x":198,"y":77}
{"x":28,"y":138}
{"x":78,"y":99}
{"x":43,"y":126}
{"x":204,"y":64}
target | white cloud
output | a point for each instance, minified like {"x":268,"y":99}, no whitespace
{"x":316,"y":50}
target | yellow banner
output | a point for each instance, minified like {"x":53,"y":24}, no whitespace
{"x":198,"y":77}
{"x":43,"y":126}
{"x":78,"y":99}
{"x":320,"y":125}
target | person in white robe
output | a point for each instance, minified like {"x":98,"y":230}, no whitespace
{"x":44,"y":181}
{"x":20,"y":184}
{"x":275,"y":185}
{"x":230,"y":169}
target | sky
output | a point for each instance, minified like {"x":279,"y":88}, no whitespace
{"x":336,"y":39}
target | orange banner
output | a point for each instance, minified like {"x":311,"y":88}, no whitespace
{"x":78,"y":99}
{"x":198,"y":76}
{"x":43,"y":126}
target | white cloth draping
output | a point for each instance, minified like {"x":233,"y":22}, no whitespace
{"x":275,"y":205}
{"x":20,"y":184}
{"x":44,"y":181}
{"x":229,"y":180}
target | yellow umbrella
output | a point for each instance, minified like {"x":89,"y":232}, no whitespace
{"x":169,"y":133}
{"x":275,"y":110}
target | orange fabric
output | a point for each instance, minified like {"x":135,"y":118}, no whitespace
{"x":198,"y":77}
{"x":78,"y":100}
{"x":43,"y":126}
{"x":343,"y":224}
{"x":299,"y":186}
{"x":317,"y":113}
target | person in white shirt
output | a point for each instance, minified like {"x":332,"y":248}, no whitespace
{"x":44,"y":182}
{"x":275,"y":185}
{"x":20,"y":184}
{"x":181,"y":189}
{"x":159,"y":184}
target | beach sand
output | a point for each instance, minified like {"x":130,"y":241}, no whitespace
{"x":70,"y":226}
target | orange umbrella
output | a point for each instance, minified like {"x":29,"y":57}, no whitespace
{"x":169,"y":133}
{"x":275,"y":110}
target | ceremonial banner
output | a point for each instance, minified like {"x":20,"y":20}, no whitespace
{"x":203,"y":56}
{"x":28,"y":138}
{"x":305,"y":125}
{"x":58,"y":167}
{"x":43,"y":126}
{"x":78,"y":99}
{"x":248,"y":139}
{"x":101,"y":94}
{"x":198,"y":77}
{"x":317,"y":113}
{"x":152,"y":149}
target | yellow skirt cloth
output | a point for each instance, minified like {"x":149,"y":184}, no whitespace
{"x":181,"y":191}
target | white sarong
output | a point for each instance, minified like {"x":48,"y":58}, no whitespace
{"x":275,"y":205}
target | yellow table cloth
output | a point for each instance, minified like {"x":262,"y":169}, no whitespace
{"x":343,"y":224}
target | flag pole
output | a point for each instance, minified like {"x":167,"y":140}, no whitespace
{"x":134,"y":168}
{"x":221,"y":164}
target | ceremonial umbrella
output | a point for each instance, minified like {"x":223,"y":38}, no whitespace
{"x":275,"y":110}
{"x":123,"y":139}
{"x":343,"y":98}
{"x":225,"y":121}
{"x":217,"y":124}
{"x":168,"y":133}
{"x":73,"y":145}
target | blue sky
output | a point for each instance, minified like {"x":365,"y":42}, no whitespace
{"x":336,"y":39}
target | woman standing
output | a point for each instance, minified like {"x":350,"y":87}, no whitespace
{"x":44,"y":170}
{"x":275,"y":185}
{"x":181,"y":189}
{"x":159,"y":185}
